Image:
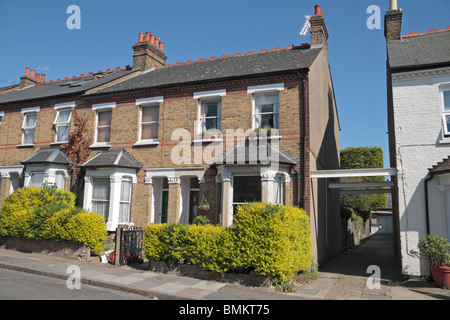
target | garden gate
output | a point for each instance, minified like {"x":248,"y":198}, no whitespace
{"x":129,"y":242}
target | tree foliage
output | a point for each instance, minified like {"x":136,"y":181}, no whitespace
{"x":77,"y":148}
{"x":360,"y":158}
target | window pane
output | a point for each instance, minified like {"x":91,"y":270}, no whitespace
{"x":124,"y":213}
{"x":62,"y":133}
{"x":102,"y":208}
{"x":125,"y":194}
{"x":446,"y":100}
{"x":150,"y":114}
{"x":63,"y":116}
{"x":149,"y":131}
{"x":247,"y":189}
{"x":210,"y":109}
{"x":103,"y":134}
{"x":263,"y":99}
{"x":447,"y":123}
{"x":100,"y":189}
{"x":267,"y":108}
{"x":37,"y":179}
{"x":28,"y":136}
{"x":30,"y":119}
{"x":267,"y":120}
{"x":60,"y":180}
{"x":104,"y":118}
{"x":211,"y":124}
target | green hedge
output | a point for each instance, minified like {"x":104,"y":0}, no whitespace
{"x":50,"y":214}
{"x":271,"y":239}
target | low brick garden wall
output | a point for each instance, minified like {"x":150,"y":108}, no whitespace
{"x":61,"y":249}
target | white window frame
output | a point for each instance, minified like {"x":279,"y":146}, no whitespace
{"x":58,"y":125}
{"x":275,"y":111}
{"x":109,"y":106}
{"x":143,"y":103}
{"x":203,"y":97}
{"x":26,"y":112}
{"x":130,"y":194}
{"x":444,"y":113}
{"x":2,"y":114}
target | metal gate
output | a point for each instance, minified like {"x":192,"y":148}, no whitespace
{"x":129,"y":245}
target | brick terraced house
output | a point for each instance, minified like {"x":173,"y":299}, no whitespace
{"x":169,"y":139}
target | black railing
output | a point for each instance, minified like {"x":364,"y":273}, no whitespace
{"x":129,"y":244}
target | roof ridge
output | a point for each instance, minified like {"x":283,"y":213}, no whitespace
{"x":226,"y":56}
{"x":107,"y":71}
{"x":429,"y":31}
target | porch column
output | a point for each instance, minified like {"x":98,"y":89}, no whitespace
{"x":5,"y":186}
{"x":148,"y":196}
{"x":173,"y":208}
{"x":267,"y":179}
{"x":227,"y":201}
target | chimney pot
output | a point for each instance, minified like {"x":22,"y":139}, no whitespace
{"x":161,"y":46}
{"x":27,"y":71}
{"x":393,"y":5}
{"x":152,"y":39}
{"x":147,"y":36}
{"x":37,"y":76}
{"x":42,"y":77}
{"x":156,"y":42}
{"x":318,"y":10}
{"x":32,"y":73}
{"x":141,"y":37}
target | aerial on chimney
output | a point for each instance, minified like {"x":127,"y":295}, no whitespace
{"x":393,"y":5}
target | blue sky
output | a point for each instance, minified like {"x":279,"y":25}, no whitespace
{"x":34,"y":34}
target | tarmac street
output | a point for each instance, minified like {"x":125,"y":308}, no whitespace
{"x":347,"y":277}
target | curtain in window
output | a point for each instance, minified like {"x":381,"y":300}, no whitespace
{"x":104,"y":126}
{"x":60,"y":180}
{"x":100,"y":196}
{"x":125,"y":201}
{"x":62,"y":125}
{"x":278,"y":189}
{"x":210,"y":115}
{"x":37,"y":179}
{"x":29,"y":125}
{"x":149,"y":123}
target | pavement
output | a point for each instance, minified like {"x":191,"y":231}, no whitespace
{"x":344,"y":278}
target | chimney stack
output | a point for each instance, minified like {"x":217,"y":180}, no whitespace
{"x":318,"y":31}
{"x":148,"y":52}
{"x":31,"y":78}
{"x":393,"y":22}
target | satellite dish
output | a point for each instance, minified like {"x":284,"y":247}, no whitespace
{"x":306,"y":26}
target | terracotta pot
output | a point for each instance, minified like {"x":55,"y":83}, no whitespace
{"x":441,"y":276}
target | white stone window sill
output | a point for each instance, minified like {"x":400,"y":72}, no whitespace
{"x":207,"y":140}
{"x":444,"y":140}
{"x":100,"y":145}
{"x":26,"y":145}
{"x":58,"y":143}
{"x":146,"y":143}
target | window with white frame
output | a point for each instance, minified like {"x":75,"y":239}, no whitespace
{"x":125,"y":200}
{"x":149,"y":123}
{"x":29,"y":127}
{"x":2,"y":113}
{"x":62,"y":124}
{"x":278,"y":190}
{"x":60,"y":179}
{"x":37,"y":179}
{"x":103,"y":126}
{"x":445,"y":110}
{"x":210,"y":115}
{"x":101,"y":196}
{"x":266,"y":110}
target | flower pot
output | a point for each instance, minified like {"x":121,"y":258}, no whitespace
{"x":441,"y":276}
{"x":203,"y":209}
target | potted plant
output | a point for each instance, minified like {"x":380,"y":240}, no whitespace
{"x":436,"y":250}
{"x":204,"y":206}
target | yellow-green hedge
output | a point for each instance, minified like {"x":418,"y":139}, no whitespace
{"x":50,"y":214}
{"x":271,"y":239}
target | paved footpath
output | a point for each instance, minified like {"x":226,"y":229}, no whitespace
{"x":345,"y":278}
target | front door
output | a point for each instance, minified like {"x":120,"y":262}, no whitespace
{"x":193,"y":205}
{"x":164,"y":205}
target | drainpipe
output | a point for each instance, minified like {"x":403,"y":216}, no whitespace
{"x":427,"y":212}
{"x":303,"y":137}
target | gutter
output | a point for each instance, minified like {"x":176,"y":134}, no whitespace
{"x":301,"y":202}
{"x":427,"y":210}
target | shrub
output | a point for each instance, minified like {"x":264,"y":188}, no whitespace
{"x":50,"y":214}
{"x":201,"y":220}
{"x":273,"y":239}
{"x":87,"y":228}
{"x":209,"y":247}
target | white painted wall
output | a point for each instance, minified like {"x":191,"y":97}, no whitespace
{"x":419,"y":146}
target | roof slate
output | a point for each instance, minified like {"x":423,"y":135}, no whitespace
{"x":47,"y":155}
{"x":113,"y":158}
{"x":424,"y":50}
{"x":219,"y":68}
{"x":61,"y":88}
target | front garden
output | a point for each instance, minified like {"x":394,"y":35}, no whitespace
{"x":270,"y":240}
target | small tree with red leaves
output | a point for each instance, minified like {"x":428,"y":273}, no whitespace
{"x":77,"y":148}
